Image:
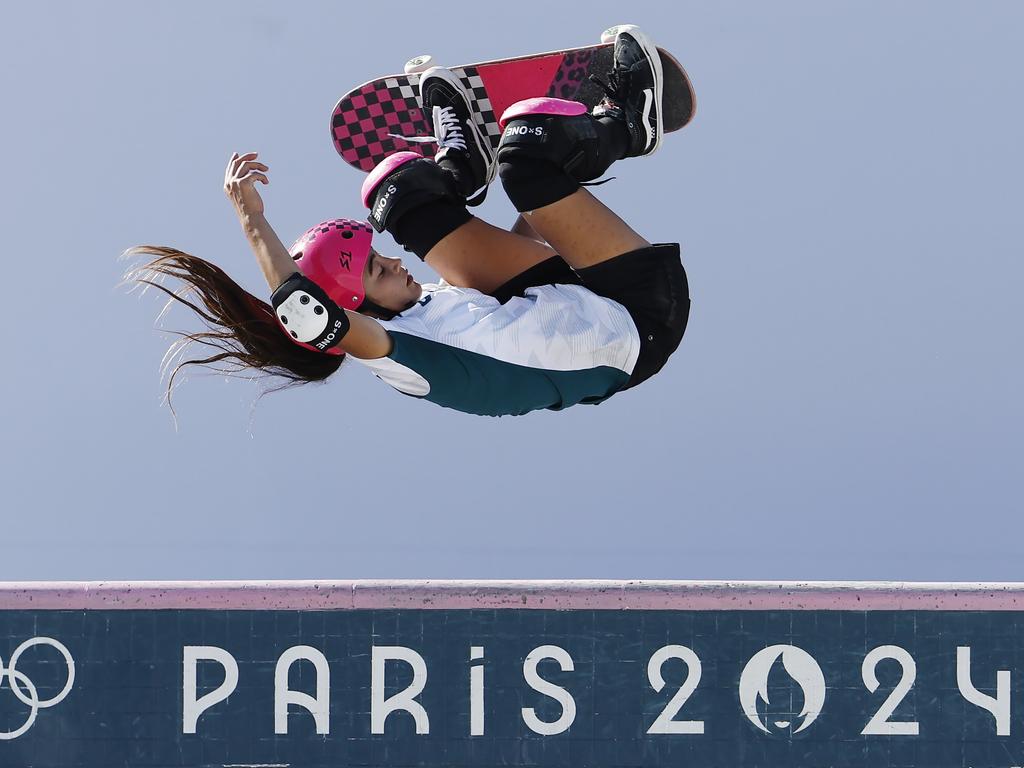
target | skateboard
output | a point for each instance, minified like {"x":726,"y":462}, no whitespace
{"x":368,"y":120}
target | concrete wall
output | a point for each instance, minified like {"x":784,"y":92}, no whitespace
{"x":319,"y":674}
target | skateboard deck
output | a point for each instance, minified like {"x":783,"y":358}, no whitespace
{"x":364,"y":119}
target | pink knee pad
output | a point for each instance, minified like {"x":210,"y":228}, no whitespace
{"x":542,"y":106}
{"x":383,"y":170}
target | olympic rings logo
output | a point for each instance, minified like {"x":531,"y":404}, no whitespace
{"x":25,"y":690}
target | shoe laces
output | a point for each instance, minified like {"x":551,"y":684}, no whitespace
{"x":447,"y":128}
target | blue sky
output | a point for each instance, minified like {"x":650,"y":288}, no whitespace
{"x":845,"y":405}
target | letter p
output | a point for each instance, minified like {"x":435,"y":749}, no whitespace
{"x":192,"y":707}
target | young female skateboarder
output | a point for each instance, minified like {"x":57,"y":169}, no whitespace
{"x":569,"y":307}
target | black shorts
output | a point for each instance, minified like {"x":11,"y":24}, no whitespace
{"x":650,"y":283}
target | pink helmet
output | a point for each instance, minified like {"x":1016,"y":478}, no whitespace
{"x":333,"y":254}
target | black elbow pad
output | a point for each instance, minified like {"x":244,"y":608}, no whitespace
{"x":308,"y":315}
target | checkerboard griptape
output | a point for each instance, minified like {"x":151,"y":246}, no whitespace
{"x":480,"y":104}
{"x":400,"y":95}
{"x":483,"y":113}
{"x":362,"y":122}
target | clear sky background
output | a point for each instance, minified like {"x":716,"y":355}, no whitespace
{"x":846,"y":404}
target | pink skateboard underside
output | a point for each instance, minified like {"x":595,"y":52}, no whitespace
{"x":363,"y":119}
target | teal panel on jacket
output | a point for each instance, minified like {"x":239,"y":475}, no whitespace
{"x":475,"y":383}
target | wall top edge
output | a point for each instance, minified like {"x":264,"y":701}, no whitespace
{"x":536,"y":595}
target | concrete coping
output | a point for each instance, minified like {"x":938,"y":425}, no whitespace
{"x":531,"y":595}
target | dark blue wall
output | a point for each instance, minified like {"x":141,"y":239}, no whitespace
{"x":126,"y":705}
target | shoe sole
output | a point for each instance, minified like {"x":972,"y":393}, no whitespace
{"x":483,"y":145}
{"x":654,"y":58}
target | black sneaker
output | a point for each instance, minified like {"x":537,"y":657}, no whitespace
{"x":634,"y":89}
{"x":447,"y":105}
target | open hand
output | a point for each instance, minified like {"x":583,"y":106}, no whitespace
{"x":240,"y":179}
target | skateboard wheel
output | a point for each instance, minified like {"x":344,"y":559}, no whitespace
{"x":419,"y":64}
{"x":608,"y":36}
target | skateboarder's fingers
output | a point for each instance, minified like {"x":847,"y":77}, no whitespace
{"x":244,"y":168}
{"x":234,"y":184}
{"x":253,"y":176}
{"x":237,"y":159}
{"x":233,"y":162}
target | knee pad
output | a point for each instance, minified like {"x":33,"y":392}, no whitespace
{"x":402,"y":182}
{"x":553,"y":131}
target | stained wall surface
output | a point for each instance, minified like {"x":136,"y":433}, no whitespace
{"x":762,"y":684}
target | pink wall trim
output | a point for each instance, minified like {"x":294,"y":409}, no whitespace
{"x":561,"y":595}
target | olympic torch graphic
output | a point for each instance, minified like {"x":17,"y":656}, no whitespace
{"x":804,"y":671}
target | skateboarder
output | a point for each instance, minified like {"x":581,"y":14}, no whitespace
{"x":571,"y":306}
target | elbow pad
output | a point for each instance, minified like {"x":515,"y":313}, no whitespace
{"x":308,"y":315}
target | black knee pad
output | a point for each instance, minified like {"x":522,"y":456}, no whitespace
{"x":412,"y":184}
{"x":415,"y":200}
{"x":543,"y":158}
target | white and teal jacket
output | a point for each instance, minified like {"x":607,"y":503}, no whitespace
{"x":558,"y":346}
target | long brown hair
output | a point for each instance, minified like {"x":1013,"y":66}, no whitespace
{"x":241,"y":329}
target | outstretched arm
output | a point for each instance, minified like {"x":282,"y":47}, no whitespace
{"x":365,"y":338}
{"x":240,"y":179}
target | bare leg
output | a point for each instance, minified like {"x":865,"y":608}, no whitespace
{"x":583,"y":230}
{"x":481,"y":256}
{"x":522,"y":227}
{"x":580,"y":228}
